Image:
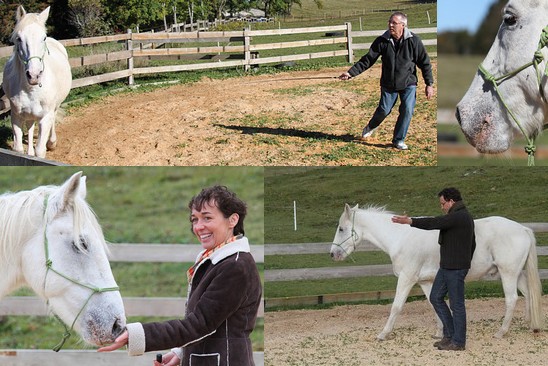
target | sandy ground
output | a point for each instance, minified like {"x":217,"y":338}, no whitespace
{"x":346,"y":335}
{"x":289,"y":118}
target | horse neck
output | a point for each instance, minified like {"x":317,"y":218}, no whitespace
{"x":378,"y":228}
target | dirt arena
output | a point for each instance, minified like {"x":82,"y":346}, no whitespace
{"x":289,"y":118}
{"x":345,"y":335}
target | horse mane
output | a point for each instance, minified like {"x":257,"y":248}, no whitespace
{"x":378,"y":209}
{"x":29,"y":18}
{"x":22,"y":216}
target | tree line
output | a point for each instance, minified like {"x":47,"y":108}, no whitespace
{"x":87,"y":18}
{"x":462,"y":42}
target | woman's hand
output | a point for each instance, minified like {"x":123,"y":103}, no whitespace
{"x":169,"y":359}
{"x":118,"y":343}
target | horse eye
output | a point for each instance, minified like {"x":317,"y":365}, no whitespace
{"x":510,"y":19}
{"x":341,"y":229}
{"x":83,"y":245}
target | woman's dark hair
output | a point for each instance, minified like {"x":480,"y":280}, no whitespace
{"x":225,"y":200}
{"x":450,"y":194}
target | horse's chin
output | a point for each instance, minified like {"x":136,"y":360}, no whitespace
{"x":33,"y":81}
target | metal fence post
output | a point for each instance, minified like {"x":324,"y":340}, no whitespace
{"x":131,"y":80}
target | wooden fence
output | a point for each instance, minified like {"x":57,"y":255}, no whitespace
{"x":225,"y":49}
{"x":134,"y":306}
{"x":301,"y":274}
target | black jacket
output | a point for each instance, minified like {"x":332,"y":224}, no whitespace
{"x":398,"y":66}
{"x":457,"y":239}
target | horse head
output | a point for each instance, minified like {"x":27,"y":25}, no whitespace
{"x":65,"y":262}
{"x":508,"y":92}
{"x":29,"y":38}
{"x":346,"y":237}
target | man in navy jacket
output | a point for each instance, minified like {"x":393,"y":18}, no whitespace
{"x":457,"y":244}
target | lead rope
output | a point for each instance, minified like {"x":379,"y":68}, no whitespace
{"x":538,"y":57}
{"x":49,"y":267}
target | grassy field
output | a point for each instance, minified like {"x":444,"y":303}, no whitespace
{"x":320,"y":194}
{"x":137,"y":205}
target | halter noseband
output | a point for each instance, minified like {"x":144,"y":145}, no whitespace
{"x":353,"y":236}
{"x":538,"y":57}
{"x":26,"y":61}
{"x":49,"y":267}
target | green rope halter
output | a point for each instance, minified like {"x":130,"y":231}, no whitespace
{"x":353,"y":236}
{"x":49,"y":267}
{"x":538,"y":57}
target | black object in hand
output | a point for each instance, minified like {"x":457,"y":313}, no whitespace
{"x":159,"y":357}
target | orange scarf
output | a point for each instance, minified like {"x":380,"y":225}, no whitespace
{"x":205,"y":255}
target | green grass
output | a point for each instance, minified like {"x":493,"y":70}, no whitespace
{"x":136,"y":204}
{"x":455,"y":74}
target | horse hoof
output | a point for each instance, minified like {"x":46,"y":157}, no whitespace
{"x":51,"y":145}
{"x":498,"y":335}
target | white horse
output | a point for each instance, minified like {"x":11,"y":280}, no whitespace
{"x":50,"y":240}
{"x":509,"y":91}
{"x":503,"y":249}
{"x":37,"y":79}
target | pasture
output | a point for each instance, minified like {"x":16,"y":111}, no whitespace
{"x":136,"y":205}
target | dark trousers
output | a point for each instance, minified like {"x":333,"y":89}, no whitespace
{"x":450,"y":282}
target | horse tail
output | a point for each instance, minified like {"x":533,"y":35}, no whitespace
{"x":533,"y":284}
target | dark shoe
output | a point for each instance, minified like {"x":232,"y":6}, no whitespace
{"x":451,"y":347}
{"x":443,"y":342}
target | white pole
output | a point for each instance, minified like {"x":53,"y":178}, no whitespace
{"x":428,"y":14}
{"x":295,"y":215}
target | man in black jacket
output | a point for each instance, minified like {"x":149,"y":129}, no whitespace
{"x":457,"y":244}
{"x":401,"y":52}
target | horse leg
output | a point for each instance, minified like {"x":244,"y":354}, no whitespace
{"x":402,"y":291}
{"x":509,"y":285}
{"x":30,"y":147}
{"x":524,"y":289}
{"x":17,"y":126}
{"x":52,"y":141}
{"x":427,"y":288}
{"x":44,"y":129}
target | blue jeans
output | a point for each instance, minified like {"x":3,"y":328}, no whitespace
{"x":450,"y":281}
{"x":408,"y":97}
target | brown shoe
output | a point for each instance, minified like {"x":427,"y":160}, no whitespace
{"x":451,"y":347}
{"x":443,"y":342}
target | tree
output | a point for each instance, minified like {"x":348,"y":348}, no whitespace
{"x":87,"y":16}
{"x":124,"y":14}
{"x":7,"y":14}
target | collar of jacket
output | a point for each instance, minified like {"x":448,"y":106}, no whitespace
{"x":406,"y":35}
{"x":456,"y":206}
{"x":239,"y":245}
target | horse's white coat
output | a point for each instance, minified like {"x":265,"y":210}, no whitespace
{"x":66,"y":220}
{"x":504,"y":249}
{"x":37,"y":87}
{"x":483,"y":118}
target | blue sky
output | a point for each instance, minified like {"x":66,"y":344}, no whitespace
{"x":461,"y":14}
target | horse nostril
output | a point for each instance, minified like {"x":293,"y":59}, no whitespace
{"x":29,"y":76}
{"x":332,"y":255}
{"x":117,"y":328}
{"x":457,"y":116}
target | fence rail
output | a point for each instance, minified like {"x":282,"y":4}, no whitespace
{"x":246,"y":52}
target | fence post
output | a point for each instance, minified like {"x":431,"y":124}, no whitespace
{"x":131,"y":80}
{"x":247,"y":52}
{"x":349,"y":42}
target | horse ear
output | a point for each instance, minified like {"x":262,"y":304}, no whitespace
{"x":43,"y":16}
{"x":69,"y":190}
{"x":20,"y":13}
{"x":347,"y":209}
{"x":82,"y":189}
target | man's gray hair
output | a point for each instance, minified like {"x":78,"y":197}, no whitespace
{"x":402,"y":16}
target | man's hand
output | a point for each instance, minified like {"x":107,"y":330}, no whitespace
{"x":345,"y":76}
{"x":429,"y":91}
{"x":402,"y":220}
